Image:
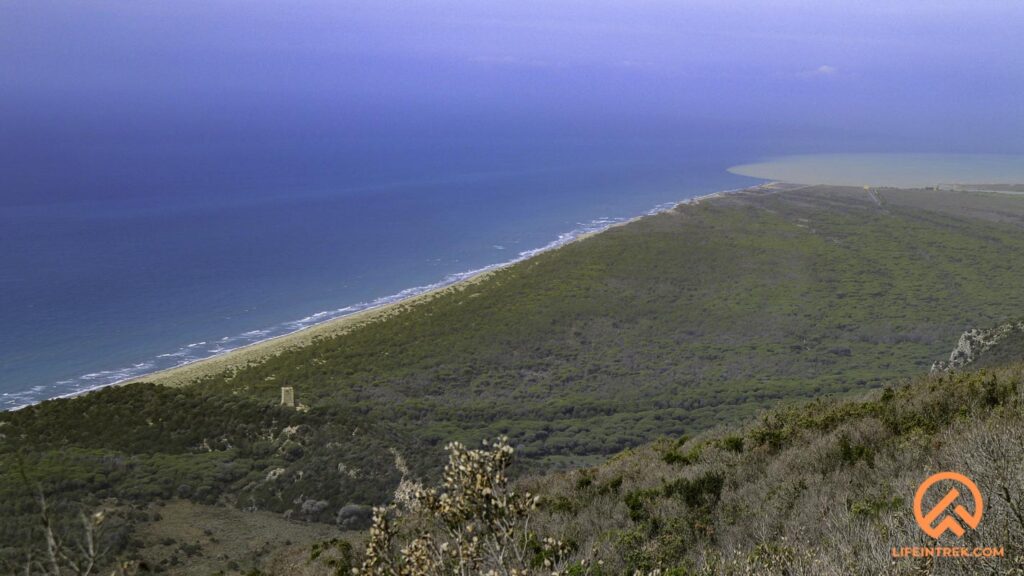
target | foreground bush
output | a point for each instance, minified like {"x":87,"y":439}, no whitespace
{"x":475,"y":524}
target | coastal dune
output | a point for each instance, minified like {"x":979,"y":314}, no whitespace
{"x":260,"y":351}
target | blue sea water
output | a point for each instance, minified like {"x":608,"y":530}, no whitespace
{"x":137,"y":270}
{"x":182,"y":178}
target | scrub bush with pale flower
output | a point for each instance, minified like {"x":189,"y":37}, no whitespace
{"x":475,"y":523}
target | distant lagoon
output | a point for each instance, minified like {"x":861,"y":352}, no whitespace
{"x":899,"y":170}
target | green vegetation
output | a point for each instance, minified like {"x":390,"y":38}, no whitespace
{"x":674,"y":323}
{"x":677,"y":323}
{"x":821,"y":488}
{"x":122,"y":448}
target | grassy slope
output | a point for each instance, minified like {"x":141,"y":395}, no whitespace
{"x":192,"y":538}
{"x":672,"y":324}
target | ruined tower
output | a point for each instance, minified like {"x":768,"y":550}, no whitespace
{"x":287,"y":396}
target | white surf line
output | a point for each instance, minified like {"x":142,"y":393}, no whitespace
{"x":292,"y":327}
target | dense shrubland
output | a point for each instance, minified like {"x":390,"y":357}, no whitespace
{"x":675,"y":323}
{"x":824,"y":488}
{"x":821,"y":488}
{"x":679,"y":323}
{"x":125,"y":447}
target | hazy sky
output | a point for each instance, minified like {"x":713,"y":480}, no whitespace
{"x":788,"y":76}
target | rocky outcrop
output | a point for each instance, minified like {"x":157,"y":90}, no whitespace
{"x":973,"y":343}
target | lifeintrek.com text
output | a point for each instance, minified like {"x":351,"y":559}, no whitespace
{"x":948,"y":552}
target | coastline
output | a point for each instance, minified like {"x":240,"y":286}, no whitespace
{"x":380,"y":309}
{"x":253,"y":353}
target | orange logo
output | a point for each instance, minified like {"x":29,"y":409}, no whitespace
{"x":927,"y":521}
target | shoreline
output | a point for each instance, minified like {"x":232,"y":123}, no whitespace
{"x":379,"y":309}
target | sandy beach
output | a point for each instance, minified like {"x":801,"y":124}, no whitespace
{"x":254,"y":353}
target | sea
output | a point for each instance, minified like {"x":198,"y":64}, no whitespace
{"x":152,"y":261}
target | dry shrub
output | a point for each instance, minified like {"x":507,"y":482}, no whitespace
{"x":825,"y":488}
{"x":475,"y":524}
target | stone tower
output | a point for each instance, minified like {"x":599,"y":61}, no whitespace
{"x":287,"y":396}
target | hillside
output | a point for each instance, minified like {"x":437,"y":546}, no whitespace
{"x":675,"y":324}
{"x":824,"y":487}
